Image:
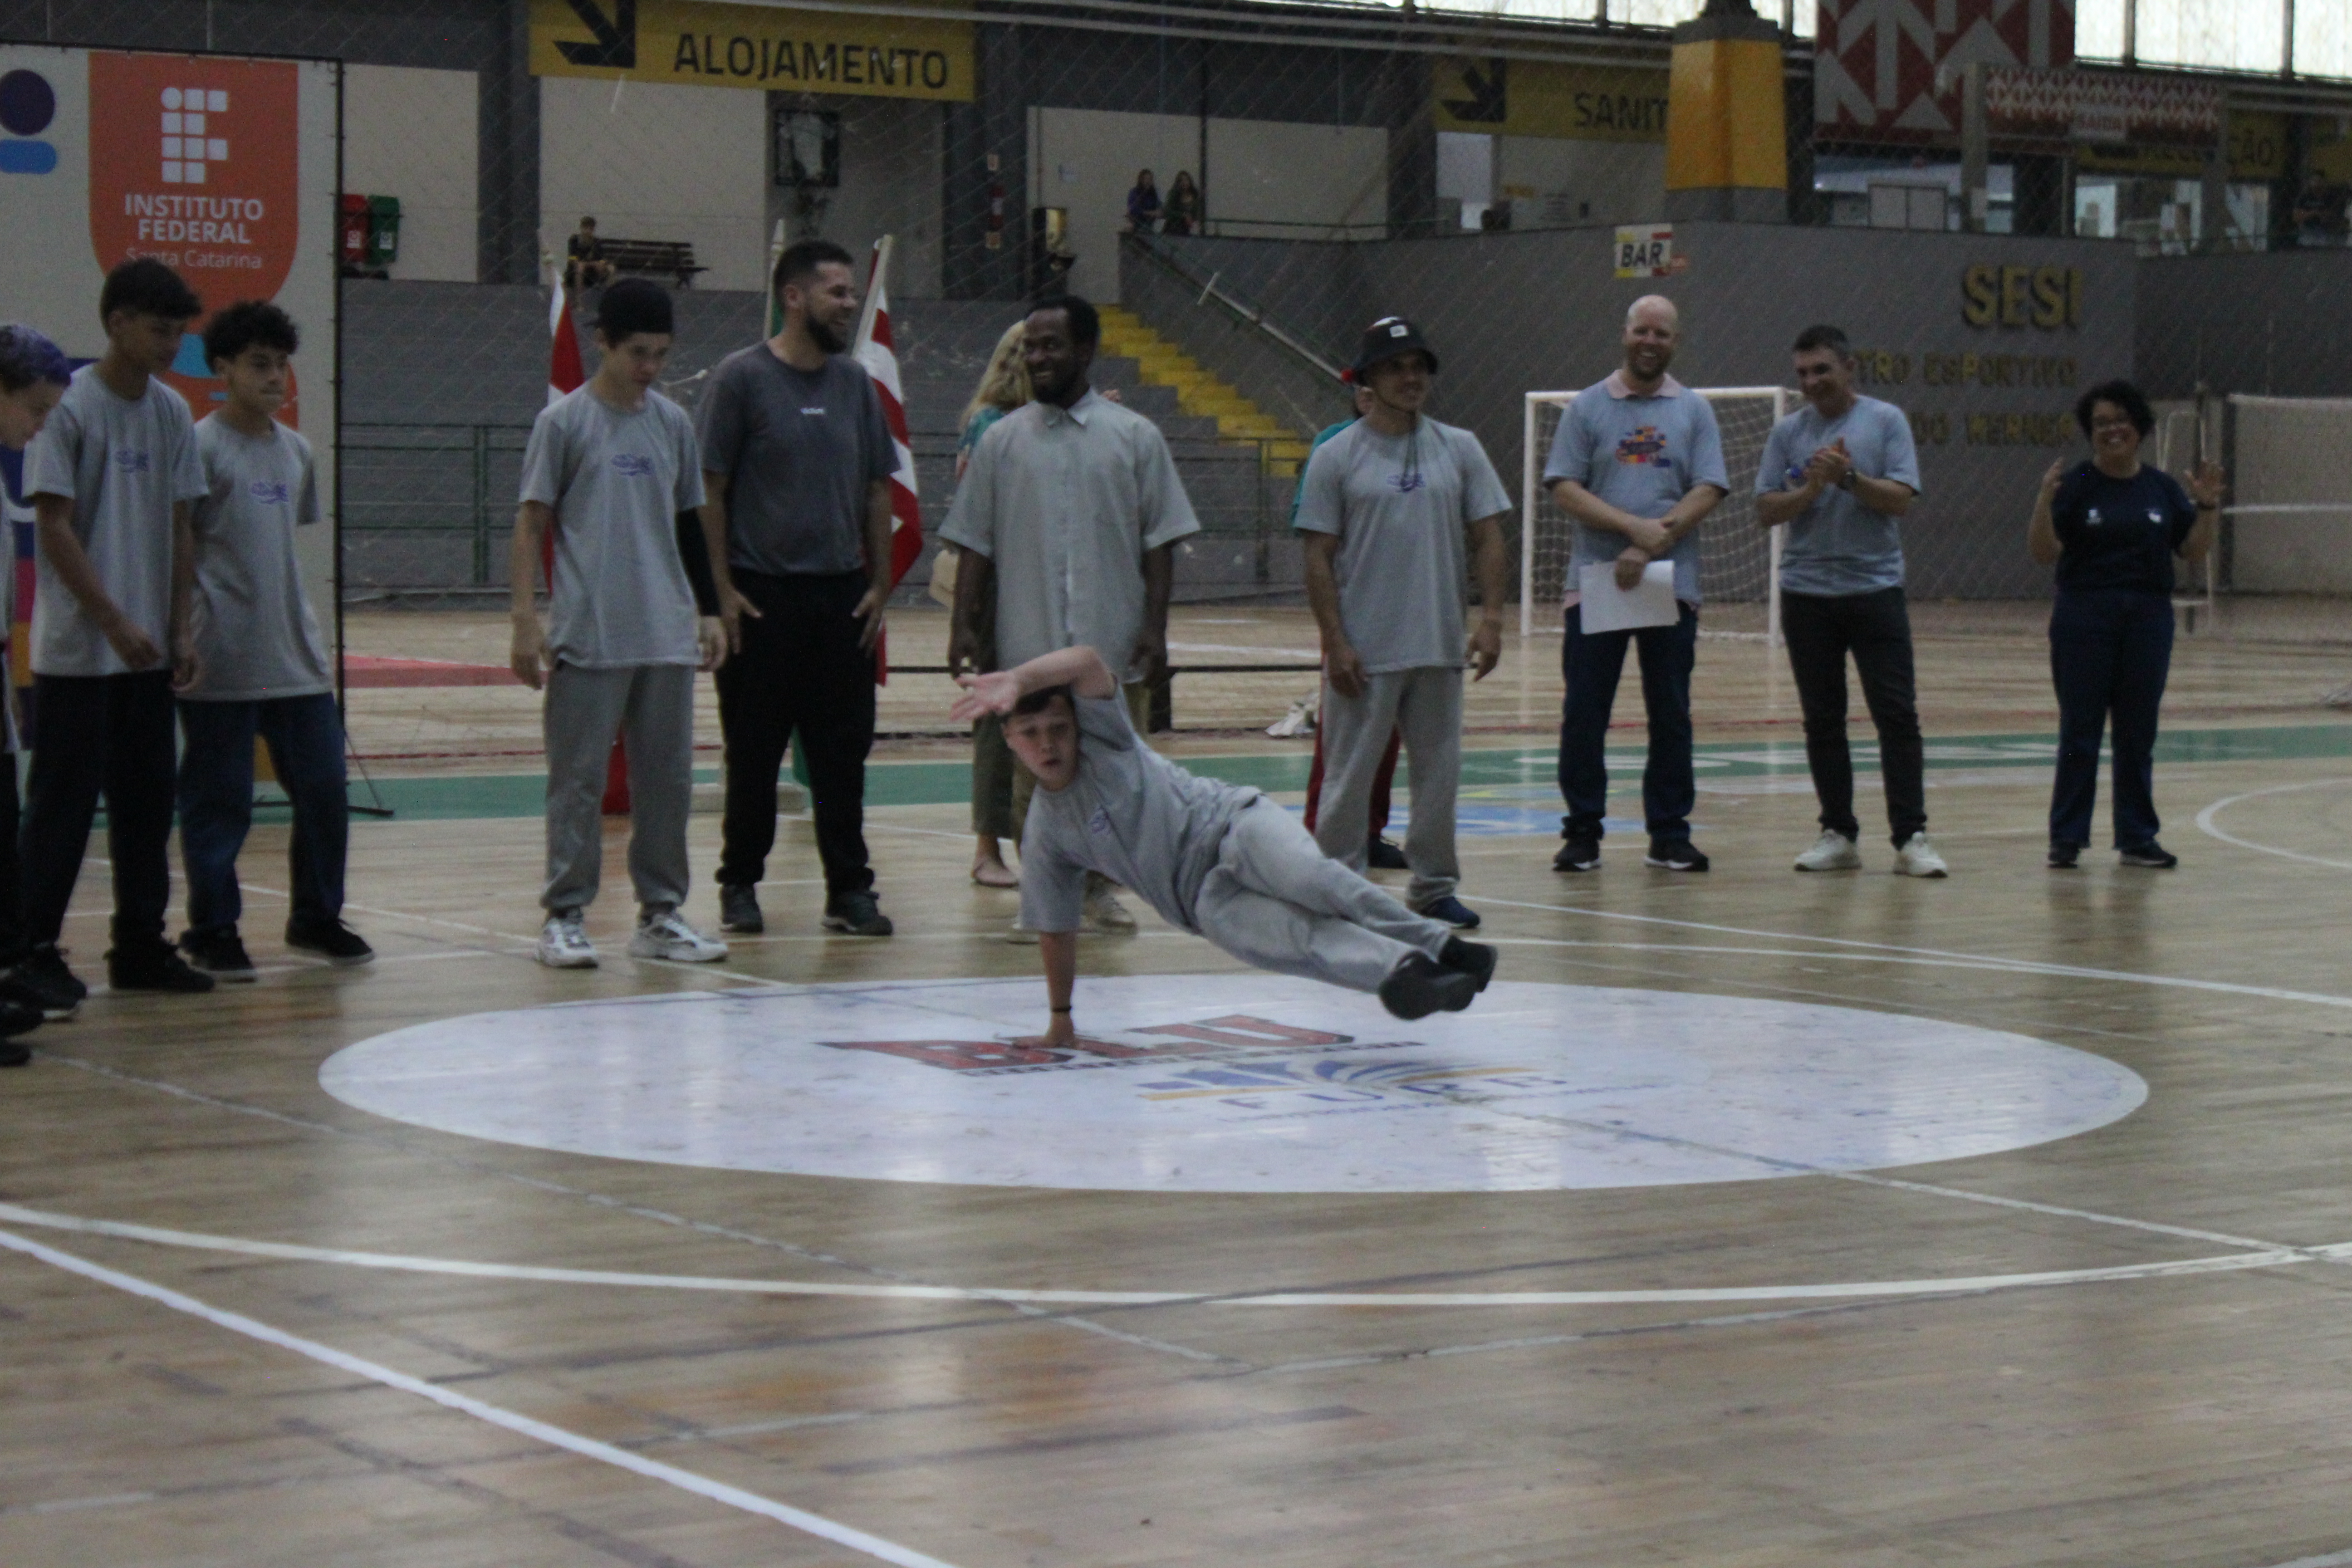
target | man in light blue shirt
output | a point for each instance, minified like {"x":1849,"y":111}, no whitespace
{"x":1638,"y":464}
{"x":1838,"y":473}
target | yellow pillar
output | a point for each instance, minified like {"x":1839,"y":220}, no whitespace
{"x":1726,"y":126}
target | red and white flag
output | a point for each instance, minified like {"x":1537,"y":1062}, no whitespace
{"x":565,"y":373}
{"x":875,"y":351}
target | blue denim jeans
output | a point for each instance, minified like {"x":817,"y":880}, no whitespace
{"x":2110,"y":651}
{"x":1590,"y":666}
{"x":305,"y":736}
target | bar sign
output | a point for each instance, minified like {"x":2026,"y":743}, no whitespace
{"x":1647,"y":250}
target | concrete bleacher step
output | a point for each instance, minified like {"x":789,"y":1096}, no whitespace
{"x":1201,"y":392}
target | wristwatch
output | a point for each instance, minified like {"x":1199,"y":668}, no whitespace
{"x":1845,"y":480}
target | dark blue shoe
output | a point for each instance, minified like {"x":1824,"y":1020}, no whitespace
{"x":1452,"y":912}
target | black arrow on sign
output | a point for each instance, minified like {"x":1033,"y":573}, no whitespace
{"x":616,"y":40}
{"x":1485,"y":103}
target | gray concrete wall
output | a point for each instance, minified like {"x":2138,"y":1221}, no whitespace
{"x":2274,"y":324}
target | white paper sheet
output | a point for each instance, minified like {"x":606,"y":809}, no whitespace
{"x":1609,"y":608}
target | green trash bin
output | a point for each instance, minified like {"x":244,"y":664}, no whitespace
{"x":384,"y":230}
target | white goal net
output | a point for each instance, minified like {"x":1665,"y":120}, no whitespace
{"x":2290,"y":495}
{"x":1738,"y":562}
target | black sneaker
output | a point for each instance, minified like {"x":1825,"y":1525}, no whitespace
{"x":13,"y":1054}
{"x":857,"y":914}
{"x":330,"y":939}
{"x":1419,"y":986}
{"x":155,"y":968}
{"x":218,"y":952}
{"x":17,"y":1018}
{"x":1474,"y":959}
{"x":2064,"y":857}
{"x":739,"y":909}
{"x":1674,"y":855}
{"x":2155,"y":856}
{"x":1577,"y":855}
{"x":1384,"y":855}
{"x":44,"y":980}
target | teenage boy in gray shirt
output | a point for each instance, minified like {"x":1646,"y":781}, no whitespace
{"x":263,"y":663}
{"x":608,"y":470}
{"x":1389,"y":507}
{"x":1838,"y":473}
{"x":112,"y":479}
{"x":1221,"y":861}
{"x":1638,"y":463}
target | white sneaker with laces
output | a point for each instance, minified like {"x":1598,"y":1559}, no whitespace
{"x":1917,"y":858}
{"x":1833,"y":851}
{"x":563,"y":943}
{"x":664,"y":933}
{"x":1106,"y":916}
{"x":1020,"y":935}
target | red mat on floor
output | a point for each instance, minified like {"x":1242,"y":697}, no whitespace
{"x":364,"y":669}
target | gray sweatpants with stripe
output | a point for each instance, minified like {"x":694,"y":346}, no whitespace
{"x":1276,"y":901}
{"x":1424,"y":703}
{"x":650,"y":707}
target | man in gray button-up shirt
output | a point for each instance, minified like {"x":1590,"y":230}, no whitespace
{"x":1068,"y":517}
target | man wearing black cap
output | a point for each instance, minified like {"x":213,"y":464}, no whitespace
{"x":1391,"y":504}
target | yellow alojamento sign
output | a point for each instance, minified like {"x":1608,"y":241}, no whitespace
{"x":695,"y":43}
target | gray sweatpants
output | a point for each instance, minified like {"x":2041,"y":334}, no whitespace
{"x":651,"y":708}
{"x":1426,"y":705}
{"x":1274,"y":899}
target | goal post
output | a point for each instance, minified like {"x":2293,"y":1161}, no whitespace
{"x":1738,"y":562}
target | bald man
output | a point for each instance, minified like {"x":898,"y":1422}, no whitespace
{"x":1638,"y":464}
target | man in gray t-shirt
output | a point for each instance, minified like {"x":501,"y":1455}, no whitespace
{"x":798,"y":458}
{"x":1221,"y":861}
{"x":1638,"y":464}
{"x":1392,"y":507}
{"x":1837,"y":474}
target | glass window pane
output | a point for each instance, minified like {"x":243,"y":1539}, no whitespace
{"x":2230,"y":35}
{"x":2099,"y":30}
{"x":2322,"y":38}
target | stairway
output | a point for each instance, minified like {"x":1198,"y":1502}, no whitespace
{"x":1200,"y":391}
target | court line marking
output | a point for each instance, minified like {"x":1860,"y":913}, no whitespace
{"x":2205,"y":825}
{"x":2330,"y":1560}
{"x":2271,"y":1257}
{"x":686,"y":1480}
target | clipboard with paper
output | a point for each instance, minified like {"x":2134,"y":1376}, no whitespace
{"x":1606,"y":607}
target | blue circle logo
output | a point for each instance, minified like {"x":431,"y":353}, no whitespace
{"x":28,"y":103}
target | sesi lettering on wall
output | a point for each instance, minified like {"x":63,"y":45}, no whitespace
{"x":2045,"y":297}
{"x":695,"y":43}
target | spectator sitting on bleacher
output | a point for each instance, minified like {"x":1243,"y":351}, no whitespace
{"x":586,"y":267}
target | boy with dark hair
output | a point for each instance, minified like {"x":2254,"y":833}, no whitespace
{"x":609,"y":469}
{"x":112,"y":479}
{"x":264,"y":670}
{"x":1214,"y":859}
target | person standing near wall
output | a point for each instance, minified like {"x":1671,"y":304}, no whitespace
{"x":1180,"y":214}
{"x":1392,"y":506}
{"x":797,"y":458}
{"x":1638,"y":464}
{"x":1839,"y":473}
{"x":1003,"y":387}
{"x":1068,"y":521}
{"x":1143,"y":204}
{"x":2112,"y":527}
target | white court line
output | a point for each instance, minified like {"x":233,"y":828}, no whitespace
{"x":2276,"y":1257}
{"x":2205,"y":826}
{"x":2332,"y":1560}
{"x":701,"y":1486}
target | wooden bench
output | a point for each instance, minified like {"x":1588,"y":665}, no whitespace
{"x":653,"y":258}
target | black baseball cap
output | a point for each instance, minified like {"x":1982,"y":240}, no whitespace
{"x":1389,"y":338}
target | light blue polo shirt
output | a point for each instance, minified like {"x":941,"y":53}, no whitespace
{"x":1642,"y":455}
{"x":1837,"y":546}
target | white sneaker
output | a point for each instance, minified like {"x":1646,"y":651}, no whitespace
{"x":1833,"y":851}
{"x":664,"y":933}
{"x":1917,"y":858}
{"x":1106,"y":916}
{"x":1020,"y":935}
{"x":563,"y":943}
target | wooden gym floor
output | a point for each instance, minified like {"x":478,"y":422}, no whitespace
{"x":247,"y":1322}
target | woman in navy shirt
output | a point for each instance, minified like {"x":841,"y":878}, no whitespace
{"x":2112,"y":526}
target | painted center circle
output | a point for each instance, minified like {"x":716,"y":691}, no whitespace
{"x":1220,"y":1083}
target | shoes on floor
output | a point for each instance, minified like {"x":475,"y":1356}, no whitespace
{"x":2151,"y":855}
{"x":154,"y":966}
{"x":42,"y":978}
{"x":1106,"y":916}
{"x":1020,"y":935}
{"x":13,"y":1054}
{"x":1833,"y":851}
{"x":664,"y":933}
{"x":2064,"y":857}
{"x":1451,"y":911}
{"x":1384,"y":855}
{"x":218,"y":952}
{"x":563,"y":941}
{"x":17,"y":1018}
{"x":738,"y":909}
{"x":1577,"y":855}
{"x":1474,"y":959}
{"x":1674,"y":855}
{"x":1917,"y":858}
{"x":1419,"y":985}
{"x":857,"y":914}
{"x":330,"y":939}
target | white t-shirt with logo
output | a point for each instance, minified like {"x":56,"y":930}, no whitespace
{"x":255,"y":635}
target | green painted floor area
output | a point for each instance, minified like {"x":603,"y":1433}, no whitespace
{"x":948,"y":783}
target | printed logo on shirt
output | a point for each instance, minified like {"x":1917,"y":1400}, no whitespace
{"x":1407,"y":483}
{"x":2154,"y":515}
{"x":629,"y":466}
{"x":1099,"y":822}
{"x":1645,"y":446}
{"x":270,"y":492}
{"x":130,"y":461}
{"x":2091,"y":519}
{"x":815,"y":413}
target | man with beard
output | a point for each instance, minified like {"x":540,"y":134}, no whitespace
{"x":1638,"y":463}
{"x":797,"y":460}
{"x":1069,"y":518}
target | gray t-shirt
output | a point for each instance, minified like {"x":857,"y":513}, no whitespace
{"x":1402,"y":506}
{"x":798,"y":450}
{"x":255,"y":635}
{"x":617,"y":480}
{"x":1642,"y":455}
{"x":1837,"y":546}
{"x":124,"y":463}
{"x":1129,"y":813}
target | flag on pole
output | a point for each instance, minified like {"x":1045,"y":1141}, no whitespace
{"x":876,"y":350}
{"x":565,"y":373}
